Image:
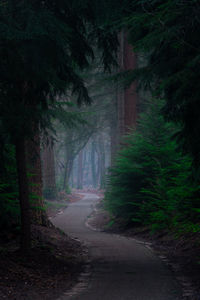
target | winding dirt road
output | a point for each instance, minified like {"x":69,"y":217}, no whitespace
{"x":122,"y":268}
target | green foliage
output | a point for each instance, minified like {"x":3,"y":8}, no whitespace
{"x":44,"y":47}
{"x":152,"y":182}
{"x":166,"y":36}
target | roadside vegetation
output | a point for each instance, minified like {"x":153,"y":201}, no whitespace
{"x":152,"y":181}
{"x":59,"y":57}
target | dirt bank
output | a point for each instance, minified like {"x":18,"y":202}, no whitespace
{"x":52,"y":267}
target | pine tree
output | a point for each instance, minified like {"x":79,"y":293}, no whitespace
{"x":43,"y":46}
{"x":165,"y":35}
{"x":48,"y":168}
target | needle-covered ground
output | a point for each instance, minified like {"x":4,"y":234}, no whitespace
{"x":52,"y":267}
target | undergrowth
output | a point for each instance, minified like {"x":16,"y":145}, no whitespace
{"x":152,"y":182}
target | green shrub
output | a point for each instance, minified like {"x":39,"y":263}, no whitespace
{"x":152,"y":181}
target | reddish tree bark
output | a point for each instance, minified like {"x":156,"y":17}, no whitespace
{"x":93,"y":163}
{"x":48,"y":170}
{"x":33,"y":159}
{"x":127,"y":98}
{"x":130,"y":94}
{"x":23,"y":196}
{"x":120,"y":91}
{"x":101,"y":159}
{"x":80,"y":170}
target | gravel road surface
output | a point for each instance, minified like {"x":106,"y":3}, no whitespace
{"x":121,"y":268}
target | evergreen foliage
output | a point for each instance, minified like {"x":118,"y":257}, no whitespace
{"x":43,"y":47}
{"x":166,"y":35}
{"x":151,"y":182}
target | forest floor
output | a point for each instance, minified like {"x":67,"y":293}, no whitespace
{"x":118,"y":266}
{"x":56,"y":260}
{"x":52,"y":267}
{"x":180,"y":253}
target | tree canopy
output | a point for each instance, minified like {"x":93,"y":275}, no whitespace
{"x":43,"y":47}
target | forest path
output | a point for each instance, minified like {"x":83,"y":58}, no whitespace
{"x":122,"y":268}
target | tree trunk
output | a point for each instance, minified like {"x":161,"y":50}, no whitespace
{"x":130,"y":94}
{"x":48,"y":168}
{"x":35,"y":180}
{"x":127,"y":99}
{"x":67,"y":172}
{"x":23,"y":196}
{"x":93,"y":164}
{"x":114,"y":135}
{"x":72,"y":177}
{"x":80,"y":170}
{"x":120,"y":90}
{"x":65,"y":176}
{"x":102,"y":162}
{"x":85,"y":167}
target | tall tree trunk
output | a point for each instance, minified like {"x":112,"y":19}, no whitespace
{"x":127,"y":98}
{"x":65,"y":176}
{"x":102,"y":162}
{"x":80,"y":170}
{"x":72,"y":177}
{"x":48,"y":168}
{"x":23,"y":196}
{"x":85,"y":166}
{"x":93,"y":164}
{"x":67,"y":171}
{"x":120,"y":90}
{"x":35,"y":180}
{"x":114,"y":135}
{"x":98,"y":168}
{"x":130,"y":94}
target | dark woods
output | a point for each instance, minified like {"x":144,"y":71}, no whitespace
{"x":52,"y":55}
